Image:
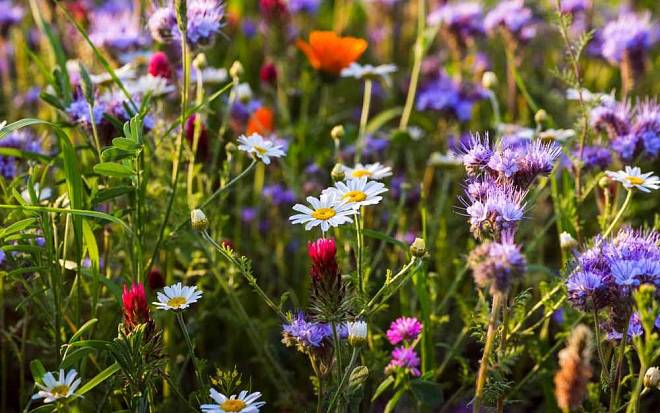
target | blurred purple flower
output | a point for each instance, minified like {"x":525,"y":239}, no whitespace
{"x":404,"y":329}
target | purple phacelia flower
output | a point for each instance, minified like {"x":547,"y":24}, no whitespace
{"x":574,"y":6}
{"x":116,"y":29}
{"x":493,"y":209}
{"x":162,"y":25}
{"x":304,"y":6}
{"x":476,"y":153}
{"x":462,"y":20}
{"x":446,"y":95}
{"x":404,"y":329}
{"x":78,"y":111}
{"x":205,"y":19}
{"x":22,"y":140}
{"x":279,"y":194}
{"x":305,"y":335}
{"x":495,"y":265}
{"x":513,"y":17}
{"x":646,"y":127}
{"x":404,"y":359}
{"x":630,"y":35}
{"x":11,"y":15}
{"x":504,"y":162}
{"x":635,"y":329}
{"x":584,"y":287}
{"x":611,"y":117}
{"x":595,"y":156}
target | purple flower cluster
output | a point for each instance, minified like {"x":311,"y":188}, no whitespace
{"x":11,"y":15}
{"x":463,"y":20}
{"x":22,"y":140}
{"x":204,"y":22}
{"x":308,"y":335}
{"x":630,"y":35}
{"x":447,"y":95}
{"x":632,"y":131}
{"x":495,"y":265}
{"x":304,"y":6}
{"x":595,"y":156}
{"x":514,"y":18}
{"x":116,"y":28}
{"x":493,"y":210}
{"x":404,"y":330}
{"x":605,"y":274}
{"x":279,"y":194}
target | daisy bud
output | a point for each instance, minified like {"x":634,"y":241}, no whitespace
{"x":652,"y":378}
{"x":566,"y":241}
{"x":338,"y":173}
{"x":357,"y":332}
{"x":199,"y":220}
{"x":418,"y":248}
{"x":200,"y":61}
{"x":337,"y":132}
{"x":540,"y":116}
{"x":489,"y":80}
{"x":604,"y":182}
{"x":230,"y":147}
{"x":236,"y":70}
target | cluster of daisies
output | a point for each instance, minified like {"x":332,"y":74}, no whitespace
{"x":338,"y":204}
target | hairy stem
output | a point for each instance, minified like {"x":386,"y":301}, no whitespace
{"x":488,"y":347}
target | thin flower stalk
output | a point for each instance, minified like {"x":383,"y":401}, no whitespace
{"x":419,"y":50}
{"x":488,"y":346}
{"x":364,"y":117}
{"x":191,"y":350}
{"x":618,"y":216}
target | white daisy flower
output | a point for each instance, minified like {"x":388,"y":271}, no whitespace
{"x":445,"y":159}
{"x":588,"y":96}
{"x":328,"y":211}
{"x":559,"y":135}
{"x":634,"y":178}
{"x":359,"y":71}
{"x":42,"y":194}
{"x":243,"y":403}
{"x":264,"y":149}
{"x":358,"y":192}
{"x":52,"y":389}
{"x":211,"y":75}
{"x":156,"y":85}
{"x":177,"y":297}
{"x":357,"y":331}
{"x":375,"y":171}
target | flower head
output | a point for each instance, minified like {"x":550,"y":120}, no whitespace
{"x":136,"y":310}
{"x":305,"y":335}
{"x":462,"y":19}
{"x":404,"y":329}
{"x":177,"y":297}
{"x":204,"y":21}
{"x":244,"y":402}
{"x":444,"y":94}
{"x":52,"y":389}
{"x":496,"y":265}
{"x":324,"y":262}
{"x":630,"y":34}
{"x":359,"y":71}
{"x":358,"y":192}
{"x":374,"y":171}
{"x":330,"y":53}
{"x":328,"y":211}
{"x":263,"y":149}
{"x":357,"y":332}
{"x":633,"y":178}
{"x":11,"y":15}
{"x":646,"y":127}
{"x":514,"y":17}
{"x":404,"y":359}
{"x":261,"y":122}
{"x":159,"y":65}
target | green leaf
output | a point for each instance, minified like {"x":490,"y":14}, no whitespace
{"x":38,"y":370}
{"x":98,"y":379}
{"x":389,"y":407}
{"x":17,"y":227}
{"x":384,"y":385}
{"x":82,"y":329}
{"x":110,"y":193}
{"x":113,"y":169}
{"x":125,"y":144}
{"x":427,"y":392}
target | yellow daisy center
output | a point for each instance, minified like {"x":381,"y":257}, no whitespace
{"x":233,"y":405}
{"x":359,"y":173}
{"x":324,"y":214}
{"x":354,"y":196}
{"x":176,"y":302}
{"x":61,"y":390}
{"x":635,"y":180}
{"x":260,"y":149}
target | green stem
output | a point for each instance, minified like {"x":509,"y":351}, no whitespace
{"x":191,"y":351}
{"x":616,"y":389}
{"x":343,"y":379}
{"x":619,"y":214}
{"x":417,"y":65}
{"x":490,"y":339}
{"x":358,"y":254}
{"x":376,"y":298}
{"x":337,"y":346}
{"x":179,"y":147}
{"x":599,"y":347}
{"x":364,"y":116}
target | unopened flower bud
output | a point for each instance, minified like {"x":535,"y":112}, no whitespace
{"x":604,"y":182}
{"x":489,"y":80}
{"x":566,"y":241}
{"x":652,"y":378}
{"x":540,"y":116}
{"x":357,"y":332}
{"x":418,"y":248}
{"x":338,"y":173}
{"x":200,"y":61}
{"x":230,"y":147}
{"x":199,"y":220}
{"x":337,"y":132}
{"x":236,"y":70}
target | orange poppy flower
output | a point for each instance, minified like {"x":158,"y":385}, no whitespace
{"x":330,"y":53}
{"x":261,"y":122}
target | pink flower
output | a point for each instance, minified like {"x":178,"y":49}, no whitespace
{"x":136,"y":310}
{"x":404,"y":358}
{"x":404,"y":329}
{"x":324,"y":262}
{"x":159,"y":66}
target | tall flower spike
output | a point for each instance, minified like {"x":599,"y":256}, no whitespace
{"x":136,"y":310}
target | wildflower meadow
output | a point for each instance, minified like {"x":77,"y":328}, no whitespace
{"x":438,"y":206}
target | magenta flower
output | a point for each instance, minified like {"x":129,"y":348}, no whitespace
{"x":406,"y":359}
{"x":404,"y":329}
